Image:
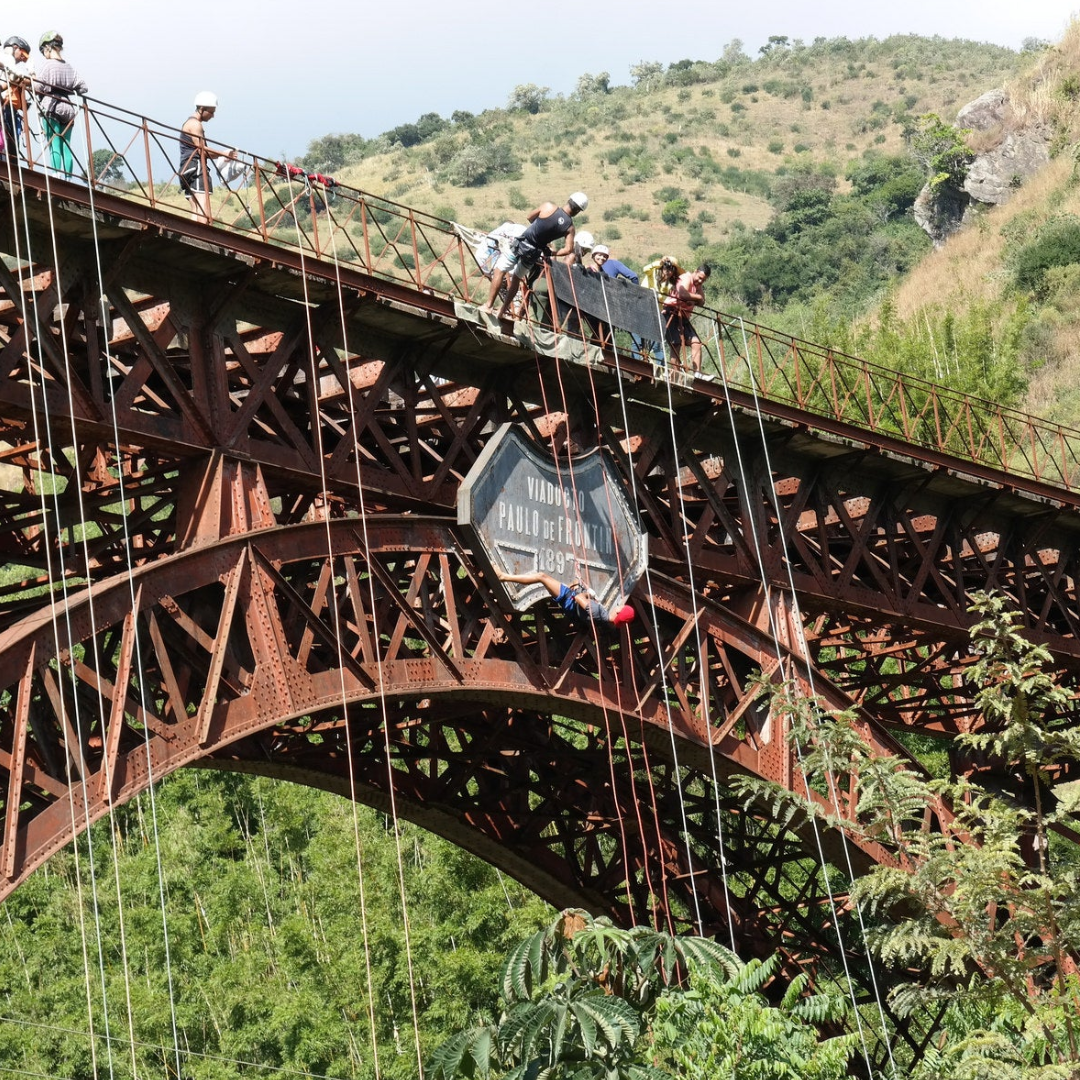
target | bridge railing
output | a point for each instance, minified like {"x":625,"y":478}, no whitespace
{"x":131,"y":156}
{"x":819,"y":380}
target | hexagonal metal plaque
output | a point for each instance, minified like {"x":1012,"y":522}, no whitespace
{"x":570,"y":518}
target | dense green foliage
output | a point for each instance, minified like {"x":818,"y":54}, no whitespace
{"x":941,"y":149}
{"x":725,"y":1027}
{"x":842,"y":249}
{"x":268,"y":958}
{"x":585,"y":1000}
{"x":1056,"y":244}
{"x":980,"y":914}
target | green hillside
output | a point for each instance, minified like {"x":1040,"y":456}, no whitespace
{"x":687,"y":157}
{"x":794,"y":174}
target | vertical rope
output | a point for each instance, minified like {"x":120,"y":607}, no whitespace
{"x":391,"y":794}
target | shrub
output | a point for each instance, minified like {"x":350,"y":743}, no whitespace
{"x":675,"y":211}
{"x":1057,"y":244}
{"x":528,"y":97}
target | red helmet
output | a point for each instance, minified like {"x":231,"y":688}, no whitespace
{"x":623,"y":615}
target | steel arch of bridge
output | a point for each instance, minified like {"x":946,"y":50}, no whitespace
{"x":245,"y":557}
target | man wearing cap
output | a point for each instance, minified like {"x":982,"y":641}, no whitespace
{"x":194,"y":171}
{"x":15,"y":76}
{"x":577,"y":600}
{"x":547,"y":223}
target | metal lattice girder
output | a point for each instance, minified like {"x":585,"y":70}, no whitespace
{"x":280,"y":650}
{"x":226,"y":509}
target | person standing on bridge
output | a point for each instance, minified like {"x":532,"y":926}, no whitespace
{"x":195,"y":156}
{"x":547,"y":223}
{"x":688,"y":293}
{"x":15,"y":77}
{"x":55,"y":84}
{"x":660,"y":276}
{"x":576,"y":599}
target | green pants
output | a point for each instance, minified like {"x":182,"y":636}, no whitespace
{"x":57,"y":134}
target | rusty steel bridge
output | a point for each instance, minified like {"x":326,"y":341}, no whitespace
{"x":232,"y":455}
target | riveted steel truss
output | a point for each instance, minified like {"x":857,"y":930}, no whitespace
{"x":227,"y":505}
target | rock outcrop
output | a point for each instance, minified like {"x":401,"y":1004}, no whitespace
{"x":1007,"y":154}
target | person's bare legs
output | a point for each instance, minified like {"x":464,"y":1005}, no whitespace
{"x":533,"y":577}
{"x":200,"y":206}
{"x":695,"y":354}
{"x":511,"y":292}
{"x":497,"y":278}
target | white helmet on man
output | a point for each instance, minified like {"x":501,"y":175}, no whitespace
{"x":206,"y":99}
{"x":580,"y":200}
{"x":584,"y":240}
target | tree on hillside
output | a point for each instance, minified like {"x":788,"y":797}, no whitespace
{"x":891,"y":184}
{"x":648,"y":74}
{"x":109,"y":167}
{"x":528,"y":97}
{"x":331,"y":152}
{"x":593,"y":85}
{"x":734,"y":53}
{"x":941,"y":149}
{"x":984,"y":911}
{"x":777,"y":43}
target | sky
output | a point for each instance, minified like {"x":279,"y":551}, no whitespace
{"x":286,"y":73}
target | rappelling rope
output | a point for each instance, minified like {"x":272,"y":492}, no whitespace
{"x":663,"y":669}
{"x":697,"y":634}
{"x":56,"y":620}
{"x":610,"y":747}
{"x":775,"y":630}
{"x":391,"y":793}
{"x":139,"y":665}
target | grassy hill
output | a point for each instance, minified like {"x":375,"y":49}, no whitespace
{"x":791,"y":173}
{"x":1019,"y":264}
{"x":717,"y":133}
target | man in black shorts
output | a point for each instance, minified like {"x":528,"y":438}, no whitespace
{"x":687,"y":294}
{"x":547,"y":223}
{"x":193,"y":170}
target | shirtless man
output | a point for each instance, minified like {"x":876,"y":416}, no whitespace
{"x":194,"y":172}
{"x":547,"y":223}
